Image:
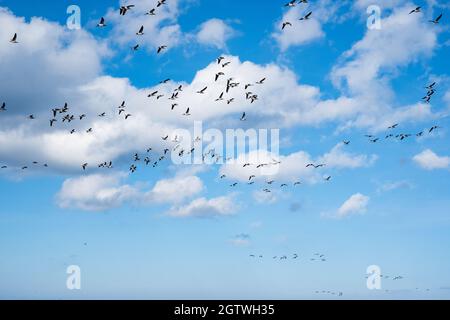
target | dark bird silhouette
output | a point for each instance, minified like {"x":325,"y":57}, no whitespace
{"x":307,"y":16}
{"x":436,"y":21}
{"x":102,"y":23}
{"x":416,"y":10}
{"x":161,"y":48}
{"x":14,"y":39}
{"x":124,"y":9}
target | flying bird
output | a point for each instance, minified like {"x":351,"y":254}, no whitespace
{"x":307,"y":16}
{"x":287,"y":23}
{"x":161,"y":48}
{"x":436,"y":21}
{"x":140,"y":32}
{"x":14,"y":39}
{"x":124,"y":9}
{"x":416,"y":10}
{"x":102,"y":23}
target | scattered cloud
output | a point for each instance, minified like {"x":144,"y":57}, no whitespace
{"x":429,"y":160}
{"x":356,"y":204}
{"x":215,"y":32}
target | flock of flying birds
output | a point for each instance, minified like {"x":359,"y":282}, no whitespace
{"x":64,"y":115}
{"x":308,"y":15}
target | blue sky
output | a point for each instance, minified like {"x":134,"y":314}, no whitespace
{"x":181,"y":232}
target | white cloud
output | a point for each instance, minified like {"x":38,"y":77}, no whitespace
{"x":292,"y":167}
{"x":175,"y":190}
{"x":202,"y":207}
{"x":390,"y":186}
{"x":338,"y":158}
{"x":95,"y":192}
{"x":160,"y":29}
{"x":215,"y":32}
{"x":356,"y":204}
{"x":300,"y":32}
{"x":429,"y":160}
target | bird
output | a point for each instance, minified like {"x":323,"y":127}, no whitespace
{"x":160,"y":3}
{"x":261,"y":81}
{"x":220,"y":97}
{"x":436,"y":21}
{"x":140,"y":32}
{"x":433,"y":128}
{"x":102,"y":23}
{"x":14,"y":39}
{"x":328,"y":178}
{"x":430,"y":86}
{"x":218,"y":75}
{"x":307,"y":16}
{"x":287,"y":23}
{"x":243,"y":117}
{"x":291,"y":3}
{"x":161,"y":48}
{"x":84,"y":166}
{"x":220,"y":59}
{"x":202,"y":91}
{"x":31,"y":116}
{"x":393,"y":126}
{"x":135,"y":48}
{"x":127,"y":116}
{"x":187,"y":112}
{"x":151,"y":12}
{"x":3,"y":106}
{"x":124,"y":9}
{"x":82,"y":116}
{"x":52,"y":121}
{"x":416,"y":10}
{"x":346,"y":142}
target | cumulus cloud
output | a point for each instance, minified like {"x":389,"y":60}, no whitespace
{"x":175,"y":190}
{"x":429,"y":160}
{"x":300,"y":32}
{"x":356,"y":204}
{"x":215,"y":32}
{"x":292,"y":167}
{"x":99,"y":192}
{"x":96,"y":192}
{"x":202,"y":207}
{"x":160,"y":29}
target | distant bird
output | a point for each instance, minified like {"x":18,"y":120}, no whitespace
{"x":346,"y":142}
{"x":218,"y":75}
{"x":31,"y":117}
{"x":433,"y":128}
{"x":220,"y":98}
{"x":234,"y":184}
{"x":14,"y":39}
{"x":82,"y":116}
{"x":140,"y":32}
{"x":328,"y":178}
{"x":261,"y":81}
{"x":135,"y":48}
{"x":161,"y":48}
{"x":287,"y":23}
{"x":160,"y":3}
{"x":436,"y":21}
{"x":124,"y":9}
{"x":202,"y":91}
{"x":102,"y":23}
{"x":187,"y":112}
{"x":102,"y":114}
{"x":151,"y":12}
{"x":244,"y":117}
{"x":393,"y":126}
{"x":374,"y":140}
{"x":307,"y":16}
{"x":52,"y":121}
{"x":220,"y":59}
{"x":3,"y":107}
{"x":416,"y":10}
{"x":84,"y":166}
{"x":127,"y":116}
{"x":297,"y":183}
{"x":431,"y":86}
{"x":291,"y":3}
